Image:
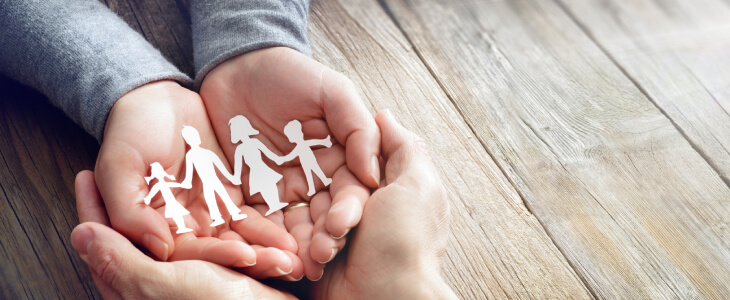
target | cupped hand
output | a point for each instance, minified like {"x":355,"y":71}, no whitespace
{"x":274,"y":86}
{"x":397,"y":249}
{"x":121,"y":271}
{"x":144,"y":126}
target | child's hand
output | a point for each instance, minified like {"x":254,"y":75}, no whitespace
{"x":144,"y":126}
{"x":327,"y":142}
{"x":273,"y":86}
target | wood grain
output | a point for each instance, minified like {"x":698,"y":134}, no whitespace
{"x":635,"y":209}
{"x":678,"y":52}
{"x":497,"y":249}
{"x":40,"y":150}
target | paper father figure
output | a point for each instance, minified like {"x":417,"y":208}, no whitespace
{"x":205,"y":162}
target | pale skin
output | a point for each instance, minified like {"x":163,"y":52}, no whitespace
{"x":273,"y":86}
{"x":128,"y":149}
{"x":389,"y":258}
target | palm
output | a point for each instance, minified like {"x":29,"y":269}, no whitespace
{"x":144,"y":128}
{"x":273,"y":87}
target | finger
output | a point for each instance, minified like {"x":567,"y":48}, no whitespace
{"x":297,"y":272}
{"x":88,"y":200}
{"x":348,"y":200}
{"x":402,"y":149}
{"x":271,"y":262}
{"x":324,"y":247}
{"x":118,"y":263}
{"x":223,"y":252}
{"x":352,"y":125}
{"x":122,"y":188}
{"x":299,"y":224}
{"x":258,"y":230}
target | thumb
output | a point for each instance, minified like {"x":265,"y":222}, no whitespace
{"x":114,"y":259}
{"x":402,"y":150}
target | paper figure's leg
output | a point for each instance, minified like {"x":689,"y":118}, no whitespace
{"x":271,"y":196}
{"x":215,"y":214}
{"x":318,"y":171}
{"x":235,"y":212}
{"x":310,"y":181}
{"x":180,"y":225}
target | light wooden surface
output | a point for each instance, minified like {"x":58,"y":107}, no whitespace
{"x":584,"y":144}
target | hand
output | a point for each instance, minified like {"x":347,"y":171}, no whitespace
{"x":273,"y":86}
{"x":144,"y":126}
{"x":328,"y":142}
{"x":121,"y":271}
{"x":397,"y":249}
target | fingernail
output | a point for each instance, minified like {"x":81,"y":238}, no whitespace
{"x":290,"y":278}
{"x":339,"y":237}
{"x":320,"y":276}
{"x":156,"y":245}
{"x":81,"y":240}
{"x":332,"y":256}
{"x":375,"y":169}
{"x":281,"y":272}
{"x":248,"y":264}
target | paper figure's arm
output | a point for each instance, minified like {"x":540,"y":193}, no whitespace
{"x":327,"y":142}
{"x":221,"y":167}
{"x":238,"y":165}
{"x":153,"y":192}
{"x":188,"y":182}
{"x":273,"y":156}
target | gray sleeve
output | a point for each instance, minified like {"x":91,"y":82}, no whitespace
{"x":223,"y":29}
{"x":79,"y":54}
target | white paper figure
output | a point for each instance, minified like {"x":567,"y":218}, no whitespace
{"x":205,"y":162}
{"x":303,"y":150}
{"x":262,"y":179}
{"x":173,"y":209}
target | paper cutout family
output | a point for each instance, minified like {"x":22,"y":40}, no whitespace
{"x":262,"y":179}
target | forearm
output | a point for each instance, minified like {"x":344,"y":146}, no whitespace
{"x":223,"y":29}
{"x":79,"y":54}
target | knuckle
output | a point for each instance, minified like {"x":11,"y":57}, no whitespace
{"x":108,"y":266}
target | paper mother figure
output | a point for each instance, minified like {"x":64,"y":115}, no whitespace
{"x":293,"y":132}
{"x":173,"y":209}
{"x":205,"y":162}
{"x":261,"y":178}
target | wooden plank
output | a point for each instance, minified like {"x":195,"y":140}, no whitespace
{"x":635,"y":209}
{"x":679,"y":53}
{"x":497,"y":249}
{"x":40,"y":152}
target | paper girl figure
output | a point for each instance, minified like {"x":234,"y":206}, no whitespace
{"x":205,"y":162}
{"x":303,"y":150}
{"x":173,"y":209}
{"x":262,"y":179}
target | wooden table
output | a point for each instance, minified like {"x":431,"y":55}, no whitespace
{"x":584,"y":143}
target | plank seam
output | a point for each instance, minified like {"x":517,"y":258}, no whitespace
{"x":641,"y":89}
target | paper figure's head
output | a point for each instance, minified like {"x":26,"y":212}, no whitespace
{"x":240,"y":128}
{"x":157,"y":172}
{"x":191,"y":136}
{"x":293,"y":131}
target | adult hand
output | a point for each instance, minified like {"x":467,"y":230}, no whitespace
{"x":273,"y":86}
{"x":144,"y":126}
{"x":121,"y":271}
{"x":396,"y":251}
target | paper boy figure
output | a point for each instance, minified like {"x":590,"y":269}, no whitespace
{"x":262,"y":179}
{"x":205,"y":162}
{"x":303,"y":150}
{"x":173,"y":209}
